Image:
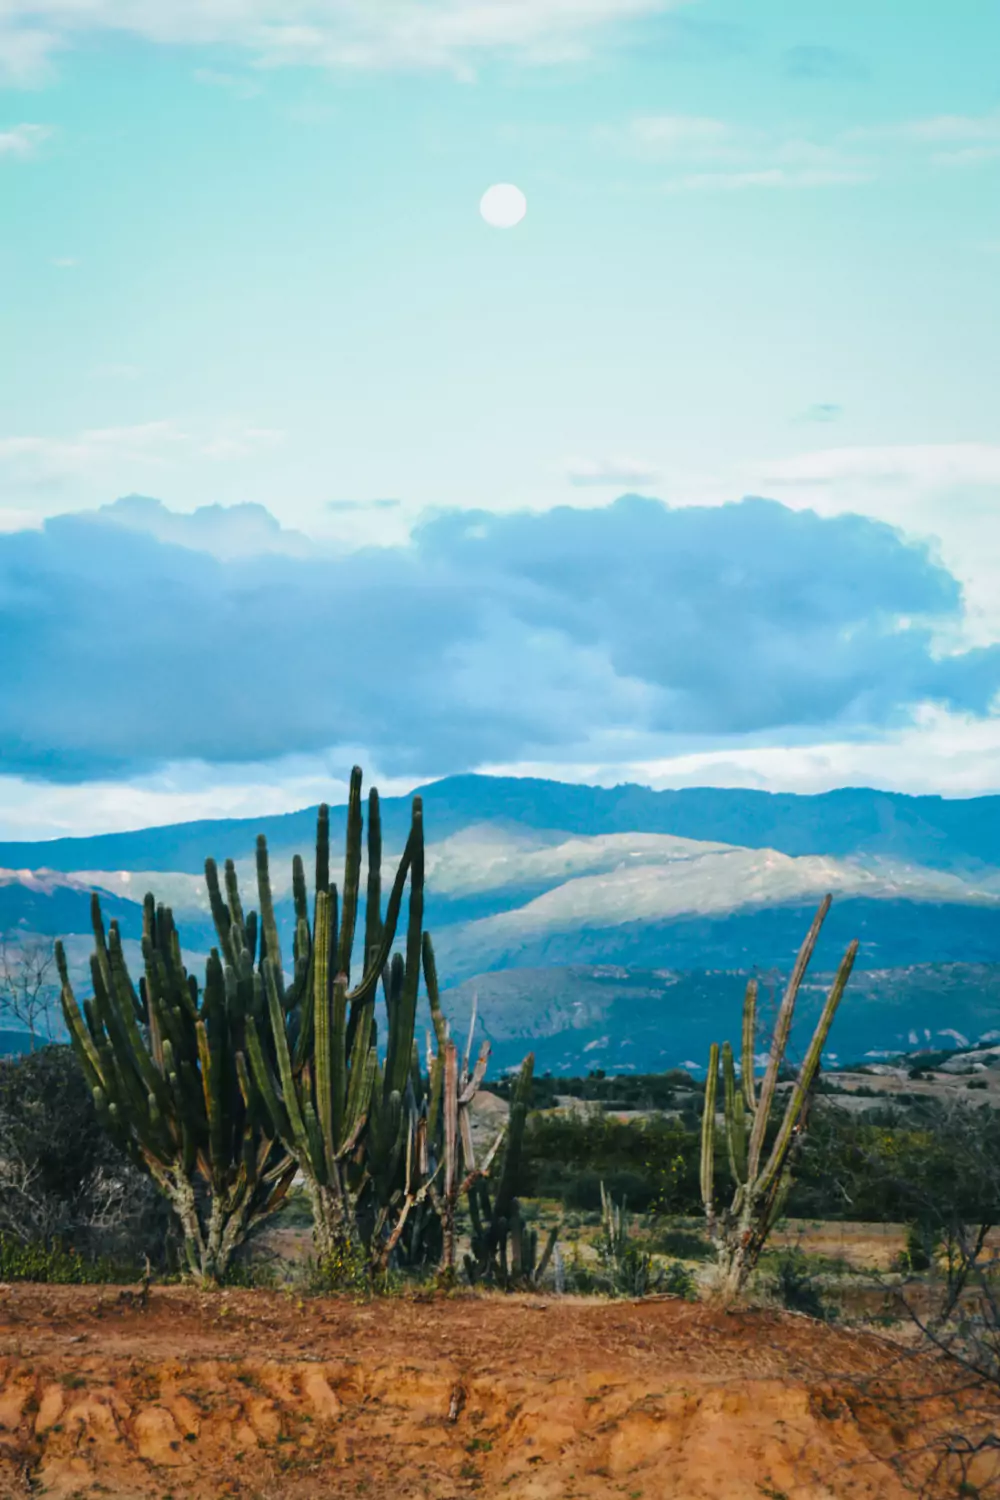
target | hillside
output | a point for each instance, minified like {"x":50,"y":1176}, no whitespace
{"x":535,"y":888}
{"x":941,"y":833}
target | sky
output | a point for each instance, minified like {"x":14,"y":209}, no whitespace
{"x":691,"y":477}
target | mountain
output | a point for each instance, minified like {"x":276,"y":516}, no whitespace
{"x":535,"y":888}
{"x":941,"y":833}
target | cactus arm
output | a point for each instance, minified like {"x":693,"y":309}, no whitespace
{"x":357,"y":1102}
{"x":269,"y":927}
{"x":450,"y":1120}
{"x":262,"y":1078}
{"x":749,"y":1039}
{"x":474,"y":1083}
{"x":323,"y":1028}
{"x":221,"y":914}
{"x":433,"y":992}
{"x":300,"y":900}
{"x":398,"y":1056}
{"x":352,"y":875}
{"x":807,"y":1072}
{"x":288,"y":1087}
{"x":468,"y":1043}
{"x":708,"y":1134}
{"x":373,"y":896}
{"x":368,"y":983}
{"x":515,"y":1137}
{"x":338,"y":1062}
{"x":238,"y":921}
{"x":210,"y":1084}
{"x":77,"y":1027}
{"x":735,"y":1116}
{"x":779,"y":1041}
{"x":322,"y":848}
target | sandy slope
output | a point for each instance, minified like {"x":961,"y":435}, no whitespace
{"x":257,"y":1395}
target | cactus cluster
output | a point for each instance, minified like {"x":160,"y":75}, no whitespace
{"x":161,"y":1062}
{"x":314,"y":1066}
{"x":224,"y":1095}
{"x":762,"y":1178}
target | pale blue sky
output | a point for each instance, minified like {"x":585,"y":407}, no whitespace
{"x":241,"y":259}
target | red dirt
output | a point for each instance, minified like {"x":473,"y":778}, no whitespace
{"x":258,"y":1395}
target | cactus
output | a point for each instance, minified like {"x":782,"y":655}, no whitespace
{"x":503,"y":1251}
{"x":629,"y":1268}
{"x":161,"y":1065}
{"x":312,"y":1061}
{"x":761,"y":1182}
{"x":452,"y":1088}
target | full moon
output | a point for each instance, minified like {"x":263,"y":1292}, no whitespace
{"x":503,"y":205}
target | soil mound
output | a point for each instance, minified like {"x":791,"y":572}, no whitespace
{"x":255,"y":1394}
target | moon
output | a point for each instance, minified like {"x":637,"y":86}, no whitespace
{"x":503,"y":205}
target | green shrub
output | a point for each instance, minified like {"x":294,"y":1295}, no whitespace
{"x":795,"y":1286}
{"x":653,"y":1163}
{"x":683,"y":1244}
{"x":54,"y":1263}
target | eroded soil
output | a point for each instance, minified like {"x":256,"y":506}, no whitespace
{"x":258,"y":1394}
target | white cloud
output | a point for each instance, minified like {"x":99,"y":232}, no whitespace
{"x":43,"y":461}
{"x":953,"y":755}
{"x":705,"y":153}
{"x":922,"y":464}
{"x":954,"y":129}
{"x":609,"y":471}
{"x":12,"y":519}
{"x":22,"y":140}
{"x":449,"y":34}
{"x":681,"y":133}
{"x":708,"y":154}
{"x":968,"y":156}
{"x":767,"y":177}
{"x":947,"y":140}
{"x":230,"y":83}
{"x":36,"y":809}
{"x":123,"y":453}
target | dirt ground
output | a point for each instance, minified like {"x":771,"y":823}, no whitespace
{"x":259,"y":1394}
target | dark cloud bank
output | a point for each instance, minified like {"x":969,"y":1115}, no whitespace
{"x":489,"y":638}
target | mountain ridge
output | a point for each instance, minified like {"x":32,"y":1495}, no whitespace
{"x":847,"y":820}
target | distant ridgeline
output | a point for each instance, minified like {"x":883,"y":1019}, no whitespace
{"x":615,"y":927}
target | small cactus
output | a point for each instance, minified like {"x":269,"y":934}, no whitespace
{"x":762,"y":1181}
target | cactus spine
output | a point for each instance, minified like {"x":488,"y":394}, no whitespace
{"x":761,"y":1181}
{"x":161,"y":1065}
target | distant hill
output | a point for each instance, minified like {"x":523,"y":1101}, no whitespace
{"x":534,"y":885}
{"x":579,"y":1017}
{"x":941,"y":833}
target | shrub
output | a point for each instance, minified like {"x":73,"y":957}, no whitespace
{"x":652,"y":1163}
{"x":57,"y":1264}
{"x":795,"y":1286}
{"x":62,"y":1181}
{"x":681,"y":1243}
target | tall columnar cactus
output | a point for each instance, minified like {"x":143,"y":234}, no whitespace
{"x":311,"y":1062}
{"x":161,"y":1065}
{"x":762,"y":1179}
{"x":503,"y":1250}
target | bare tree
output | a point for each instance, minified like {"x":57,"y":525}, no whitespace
{"x":29,"y":994}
